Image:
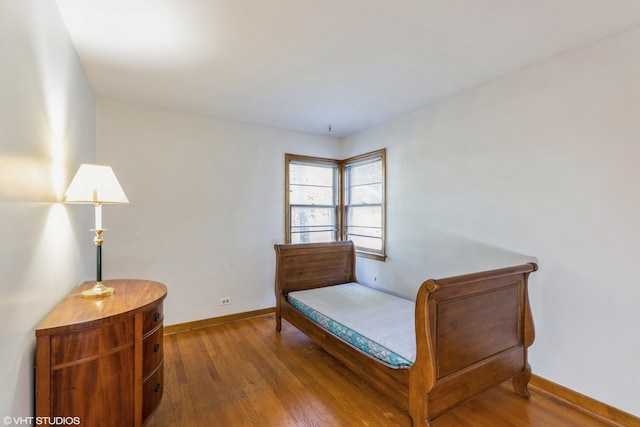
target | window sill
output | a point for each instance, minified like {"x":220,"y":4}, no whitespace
{"x":371,"y":255}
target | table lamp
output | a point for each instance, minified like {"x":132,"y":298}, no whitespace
{"x":97,"y":185}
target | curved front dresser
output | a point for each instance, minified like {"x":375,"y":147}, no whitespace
{"x":101,"y":360}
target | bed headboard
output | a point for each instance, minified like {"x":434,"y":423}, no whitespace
{"x":314,"y":265}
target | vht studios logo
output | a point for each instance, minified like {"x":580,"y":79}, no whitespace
{"x":38,"y":421}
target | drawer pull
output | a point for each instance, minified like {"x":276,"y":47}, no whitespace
{"x":157,"y":387}
{"x":157,"y":316}
{"x":156,"y":347}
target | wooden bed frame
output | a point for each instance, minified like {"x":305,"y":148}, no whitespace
{"x":472,"y":331}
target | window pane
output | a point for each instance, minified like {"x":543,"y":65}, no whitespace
{"x":366,"y":242}
{"x":365,"y":173}
{"x":312,"y":224}
{"x":365,"y":194}
{"x":306,"y":216}
{"x":364,"y":216}
{"x":308,"y":174}
{"x":313,"y":237}
{"x":310,"y":195}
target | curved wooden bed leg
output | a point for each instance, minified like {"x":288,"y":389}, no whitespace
{"x":278,"y":316}
{"x":418,"y":412}
{"x":419,"y":387}
{"x":521,"y":381}
{"x":419,"y":419}
{"x":278,"y":322}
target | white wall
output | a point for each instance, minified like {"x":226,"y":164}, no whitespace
{"x":47,"y":127}
{"x":206,"y":205}
{"x":543,"y":162}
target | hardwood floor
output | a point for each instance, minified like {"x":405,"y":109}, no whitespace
{"x":244,"y":373}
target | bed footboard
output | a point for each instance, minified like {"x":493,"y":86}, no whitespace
{"x":472,"y":332}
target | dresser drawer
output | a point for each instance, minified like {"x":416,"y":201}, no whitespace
{"x":76,"y":388}
{"x":152,"y":390}
{"x":152,"y":318}
{"x":152,"y":352}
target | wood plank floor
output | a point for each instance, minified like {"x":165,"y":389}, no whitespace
{"x":244,"y":373}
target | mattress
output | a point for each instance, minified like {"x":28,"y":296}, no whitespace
{"x":377,"y":323}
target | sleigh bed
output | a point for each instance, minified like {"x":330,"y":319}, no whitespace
{"x":467,"y":333}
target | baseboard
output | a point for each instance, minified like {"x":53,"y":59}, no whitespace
{"x":587,"y":405}
{"x":199,"y":324}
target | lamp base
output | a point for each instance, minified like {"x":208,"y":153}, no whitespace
{"x":98,"y":291}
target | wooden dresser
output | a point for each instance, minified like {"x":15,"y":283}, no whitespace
{"x":102,"y":359}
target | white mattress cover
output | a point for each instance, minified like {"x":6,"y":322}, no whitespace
{"x":384,"y":318}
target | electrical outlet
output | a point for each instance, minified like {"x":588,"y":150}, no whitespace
{"x":225,"y":300}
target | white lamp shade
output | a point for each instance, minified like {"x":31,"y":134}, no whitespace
{"x":95,"y":184}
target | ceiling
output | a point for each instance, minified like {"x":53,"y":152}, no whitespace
{"x":308,"y":65}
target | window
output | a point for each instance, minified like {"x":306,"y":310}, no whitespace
{"x":312,"y":200}
{"x":364,"y":203}
{"x":328,"y":200}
